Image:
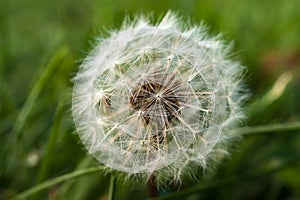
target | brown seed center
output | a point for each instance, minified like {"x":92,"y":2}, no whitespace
{"x":156,"y":101}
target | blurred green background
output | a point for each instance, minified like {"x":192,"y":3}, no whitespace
{"x":42,"y":44}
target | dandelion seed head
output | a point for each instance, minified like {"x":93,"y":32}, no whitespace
{"x":151,"y":99}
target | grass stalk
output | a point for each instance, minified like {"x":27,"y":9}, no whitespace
{"x":59,"y":179}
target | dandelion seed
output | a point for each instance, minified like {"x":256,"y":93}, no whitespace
{"x":154,"y":99}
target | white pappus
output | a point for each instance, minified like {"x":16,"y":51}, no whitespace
{"x":157,"y":99}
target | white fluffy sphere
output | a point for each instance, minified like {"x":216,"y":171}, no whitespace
{"x":154,"y":99}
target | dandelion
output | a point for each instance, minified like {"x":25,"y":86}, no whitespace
{"x":157,"y":99}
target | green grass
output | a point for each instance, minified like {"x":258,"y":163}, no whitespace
{"x":42,"y":44}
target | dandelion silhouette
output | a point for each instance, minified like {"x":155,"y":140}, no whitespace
{"x":156,"y":99}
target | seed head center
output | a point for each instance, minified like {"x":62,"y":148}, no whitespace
{"x":157,"y":101}
{"x":158,"y":96}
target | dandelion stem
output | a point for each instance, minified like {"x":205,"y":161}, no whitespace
{"x":152,"y":187}
{"x":112,"y":185}
{"x":57,"y":180}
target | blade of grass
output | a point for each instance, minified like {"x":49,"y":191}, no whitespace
{"x":36,"y":90}
{"x":83,"y":187}
{"x":63,"y":190}
{"x":59,"y":179}
{"x":264,"y":129}
{"x":259,"y":129}
{"x":253,"y":142}
{"x":275,"y":92}
{"x":11,"y":147}
{"x":49,"y":149}
{"x":229,"y":181}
